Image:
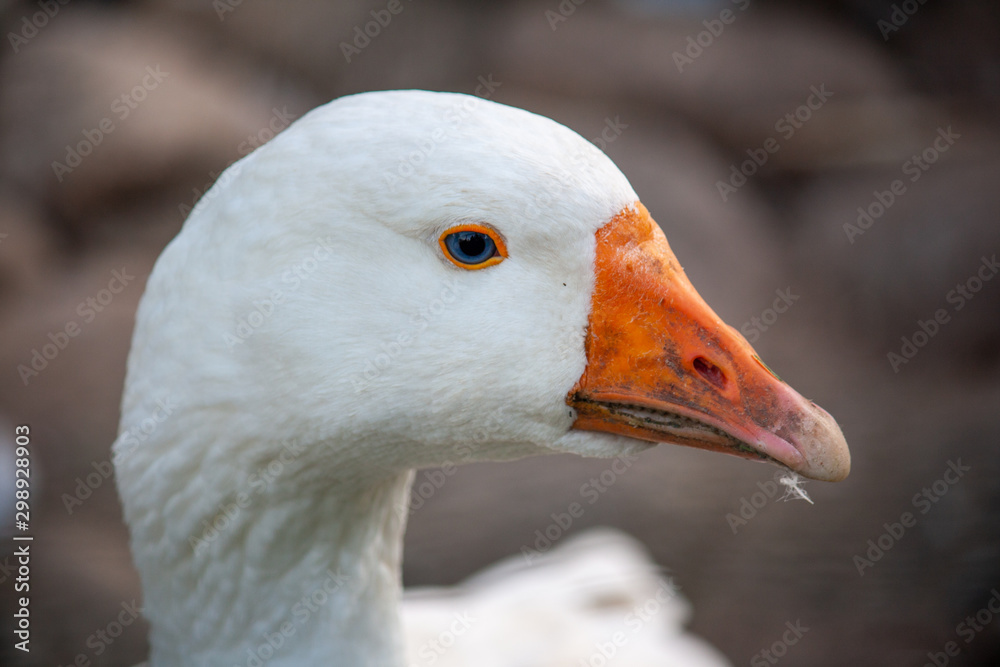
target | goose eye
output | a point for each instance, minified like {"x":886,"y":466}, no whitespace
{"x":472,"y":246}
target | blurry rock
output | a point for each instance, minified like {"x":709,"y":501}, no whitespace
{"x":87,"y":566}
{"x":102,"y":105}
{"x":350,"y":46}
{"x":902,"y":258}
{"x":26,"y":246}
{"x":760,"y":66}
{"x":65,"y":346}
{"x":955,"y":47}
{"x":760,"y":59}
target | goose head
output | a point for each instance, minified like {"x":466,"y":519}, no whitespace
{"x":403,"y":279}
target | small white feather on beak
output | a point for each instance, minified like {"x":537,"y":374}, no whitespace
{"x":793,"y":487}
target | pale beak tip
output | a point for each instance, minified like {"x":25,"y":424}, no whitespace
{"x":824,"y":448}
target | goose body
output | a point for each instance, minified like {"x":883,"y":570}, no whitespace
{"x":596,"y":599}
{"x":400,"y":280}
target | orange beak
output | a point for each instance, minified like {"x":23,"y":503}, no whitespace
{"x":662,"y":366}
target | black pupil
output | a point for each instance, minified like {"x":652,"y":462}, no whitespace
{"x":472,"y":244}
{"x":471,"y":247}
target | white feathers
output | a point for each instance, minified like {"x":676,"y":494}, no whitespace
{"x":595,"y":599}
{"x":793,"y":487}
{"x":306,"y":300}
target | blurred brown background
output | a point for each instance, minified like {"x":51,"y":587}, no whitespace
{"x":187,"y":87}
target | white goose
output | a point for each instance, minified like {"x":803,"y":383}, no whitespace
{"x":400,"y":280}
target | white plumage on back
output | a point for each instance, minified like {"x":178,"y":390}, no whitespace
{"x":597,"y":599}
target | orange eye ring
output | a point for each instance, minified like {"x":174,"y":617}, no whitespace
{"x":472,"y":246}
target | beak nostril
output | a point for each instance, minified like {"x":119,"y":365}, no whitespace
{"x":712,"y":373}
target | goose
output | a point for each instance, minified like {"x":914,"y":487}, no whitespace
{"x":400,"y":280}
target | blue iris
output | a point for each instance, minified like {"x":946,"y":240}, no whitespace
{"x":470,"y":247}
